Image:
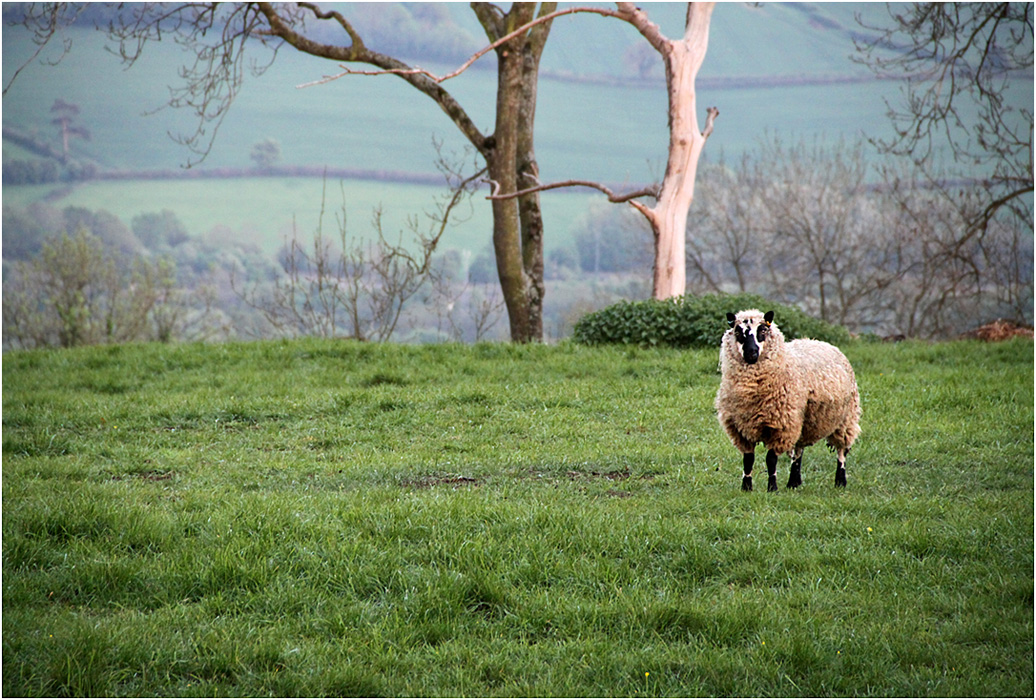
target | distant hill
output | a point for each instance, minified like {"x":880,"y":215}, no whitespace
{"x":766,"y":47}
{"x":773,"y":70}
{"x":813,"y":37}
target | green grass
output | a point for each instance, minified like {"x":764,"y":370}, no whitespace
{"x":330,"y":518}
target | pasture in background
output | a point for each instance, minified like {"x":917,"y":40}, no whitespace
{"x":595,"y":121}
{"x":779,"y":73}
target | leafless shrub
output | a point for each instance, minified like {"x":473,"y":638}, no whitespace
{"x":888,"y":250}
{"x":724,"y":229}
{"x":955,"y":275}
{"x":465,"y":310}
{"x":341,"y":287}
{"x":335,"y":287}
{"x":188,"y":314}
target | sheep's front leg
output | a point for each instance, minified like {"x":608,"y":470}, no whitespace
{"x":795,"y":476}
{"x":771,"y":470}
{"x":840,"y":473}
{"x":747,"y":461}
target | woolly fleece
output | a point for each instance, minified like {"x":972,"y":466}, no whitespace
{"x":795,"y":395}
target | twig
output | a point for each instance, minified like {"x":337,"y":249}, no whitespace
{"x":429,"y":245}
{"x":713,"y":112}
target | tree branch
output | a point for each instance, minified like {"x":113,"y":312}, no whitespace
{"x":338,"y":17}
{"x":359,"y":53}
{"x":650,"y":191}
{"x":429,"y":245}
{"x":477,"y":55}
{"x":628,"y":12}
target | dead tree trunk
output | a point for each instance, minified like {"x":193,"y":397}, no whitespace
{"x":668,"y":218}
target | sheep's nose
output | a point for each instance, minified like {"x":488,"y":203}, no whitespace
{"x":751,"y":351}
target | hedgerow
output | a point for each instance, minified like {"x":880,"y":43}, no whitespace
{"x":692,"y":321}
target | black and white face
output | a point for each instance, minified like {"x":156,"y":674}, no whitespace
{"x":750,"y":334}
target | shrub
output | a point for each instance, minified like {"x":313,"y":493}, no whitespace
{"x":80,"y":291}
{"x":692,"y":321}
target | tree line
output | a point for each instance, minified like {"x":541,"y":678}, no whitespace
{"x":877,"y":249}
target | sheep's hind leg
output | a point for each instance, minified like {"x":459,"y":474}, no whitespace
{"x":746,"y":480}
{"x":771,"y":470}
{"x":795,"y":476}
{"x":840,"y":474}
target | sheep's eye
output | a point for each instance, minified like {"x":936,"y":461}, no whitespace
{"x":760,"y":333}
{"x":739,"y":334}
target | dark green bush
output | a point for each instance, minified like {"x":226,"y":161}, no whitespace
{"x":693,"y":321}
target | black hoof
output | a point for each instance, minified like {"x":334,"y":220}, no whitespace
{"x":772,"y":484}
{"x":794,"y":484}
{"x":746,"y":483}
{"x":840,"y":479}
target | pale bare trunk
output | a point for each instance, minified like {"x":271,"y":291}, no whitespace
{"x":686,"y":142}
{"x":668,"y":218}
{"x":674,"y":201}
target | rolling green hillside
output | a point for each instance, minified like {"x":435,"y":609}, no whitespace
{"x":596,"y":118}
{"x":587,"y":129}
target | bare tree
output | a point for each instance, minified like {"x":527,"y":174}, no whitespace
{"x":957,"y":60}
{"x":725,"y":231}
{"x":953,"y":276}
{"x":668,"y":218}
{"x":340,"y":287}
{"x":879,"y":250}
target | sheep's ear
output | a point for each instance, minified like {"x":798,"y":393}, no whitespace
{"x":768,"y":317}
{"x":731,"y":318}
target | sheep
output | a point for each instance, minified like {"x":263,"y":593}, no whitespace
{"x":787,"y":396}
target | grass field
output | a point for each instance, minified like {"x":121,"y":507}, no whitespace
{"x":330,"y":518}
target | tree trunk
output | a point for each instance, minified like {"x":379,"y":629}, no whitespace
{"x":517,"y":222}
{"x":529,"y":213}
{"x":506,"y":230}
{"x":668,"y":218}
{"x":674,"y":201}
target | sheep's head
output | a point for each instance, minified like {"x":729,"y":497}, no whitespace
{"x":752,"y":329}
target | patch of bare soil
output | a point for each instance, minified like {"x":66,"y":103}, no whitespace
{"x":150,"y":475}
{"x":618,"y":475}
{"x":430,"y":481}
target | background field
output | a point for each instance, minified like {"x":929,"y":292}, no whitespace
{"x":595,"y":120}
{"x":332,"y":518}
